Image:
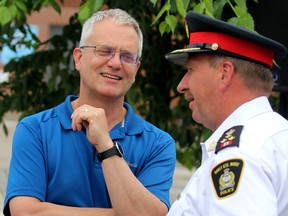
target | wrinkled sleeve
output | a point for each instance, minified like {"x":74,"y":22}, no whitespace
{"x":27,"y":167}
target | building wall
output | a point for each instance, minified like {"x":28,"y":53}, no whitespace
{"x":48,"y":17}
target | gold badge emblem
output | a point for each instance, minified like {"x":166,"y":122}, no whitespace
{"x":214,"y":46}
{"x":227,"y":180}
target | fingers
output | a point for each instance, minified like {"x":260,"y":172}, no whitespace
{"x":95,"y":122}
{"x":80,"y":118}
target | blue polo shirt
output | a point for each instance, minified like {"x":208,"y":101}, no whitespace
{"x":53,"y":163}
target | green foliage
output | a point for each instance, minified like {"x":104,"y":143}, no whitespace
{"x":169,"y":23}
{"x":39,"y":80}
{"x":88,"y":8}
{"x":43,"y":79}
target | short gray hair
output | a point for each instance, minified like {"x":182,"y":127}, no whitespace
{"x":256,"y":77}
{"x":120,"y":17}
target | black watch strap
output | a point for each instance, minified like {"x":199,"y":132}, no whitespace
{"x":115,"y":150}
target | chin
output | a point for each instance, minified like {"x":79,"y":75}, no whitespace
{"x":194,"y":117}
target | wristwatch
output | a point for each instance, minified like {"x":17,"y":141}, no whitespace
{"x":115,"y":150}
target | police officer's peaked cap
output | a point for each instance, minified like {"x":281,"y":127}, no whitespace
{"x":207,"y":34}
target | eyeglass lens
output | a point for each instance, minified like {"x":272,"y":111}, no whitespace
{"x":109,"y":52}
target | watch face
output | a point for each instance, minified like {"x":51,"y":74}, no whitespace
{"x":119,"y":148}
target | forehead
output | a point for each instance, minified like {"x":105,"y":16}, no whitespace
{"x":197,"y":58}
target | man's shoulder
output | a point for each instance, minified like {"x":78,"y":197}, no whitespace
{"x":269,"y":122}
{"x":44,"y":116}
{"x":48,"y":114}
{"x":159,"y":133}
{"x":135,"y":120}
{"x":41,"y":116}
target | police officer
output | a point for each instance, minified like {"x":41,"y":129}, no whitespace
{"x":244,"y":168}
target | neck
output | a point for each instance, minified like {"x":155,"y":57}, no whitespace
{"x":232,"y":99}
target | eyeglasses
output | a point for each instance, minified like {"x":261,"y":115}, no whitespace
{"x":108,"y":53}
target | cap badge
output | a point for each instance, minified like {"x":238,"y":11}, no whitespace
{"x":214,"y":46}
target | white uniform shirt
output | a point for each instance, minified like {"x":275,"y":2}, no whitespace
{"x":261,"y":185}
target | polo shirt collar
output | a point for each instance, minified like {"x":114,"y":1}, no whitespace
{"x":64,"y":112}
{"x":132,"y":124}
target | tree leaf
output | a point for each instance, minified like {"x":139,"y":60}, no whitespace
{"x":21,"y":5}
{"x":218,"y":8}
{"x":13,"y":10}
{"x":5,"y":16}
{"x":199,"y":7}
{"x":186,"y":4}
{"x":244,"y":19}
{"x":56,"y":7}
{"x":171,"y":21}
{"x":165,"y":8}
{"x":154,"y":2}
{"x":96,"y":5}
{"x":241,"y":4}
{"x":209,"y":10}
{"x":83,"y":12}
{"x":180,"y":8}
{"x":162,"y":27}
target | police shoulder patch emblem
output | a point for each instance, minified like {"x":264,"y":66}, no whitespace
{"x":226,"y":177}
{"x":230,"y":138}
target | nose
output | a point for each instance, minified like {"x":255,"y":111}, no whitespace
{"x":183,"y":85}
{"x":115,"y":60}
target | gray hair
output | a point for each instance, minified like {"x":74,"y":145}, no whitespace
{"x":256,"y":77}
{"x":120,"y":17}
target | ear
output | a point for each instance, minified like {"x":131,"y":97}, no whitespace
{"x":227,"y":74}
{"x":137,"y":66}
{"x":77,"y":54}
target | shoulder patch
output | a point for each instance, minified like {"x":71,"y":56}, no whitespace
{"x":229,"y":138}
{"x":226,"y":177}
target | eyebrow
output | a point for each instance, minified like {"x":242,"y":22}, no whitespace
{"x":122,"y":50}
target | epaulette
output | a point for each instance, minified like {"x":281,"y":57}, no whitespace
{"x":229,"y":138}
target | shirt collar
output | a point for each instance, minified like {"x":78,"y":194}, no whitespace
{"x":246,"y":111}
{"x":64,"y":112}
{"x":132,"y":124}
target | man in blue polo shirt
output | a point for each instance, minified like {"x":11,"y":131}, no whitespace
{"x":92,"y":154}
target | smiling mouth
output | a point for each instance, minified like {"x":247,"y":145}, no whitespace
{"x":110,"y":76}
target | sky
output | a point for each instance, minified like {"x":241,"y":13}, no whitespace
{"x":7,"y":54}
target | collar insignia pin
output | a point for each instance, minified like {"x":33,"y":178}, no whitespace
{"x":212,"y":146}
